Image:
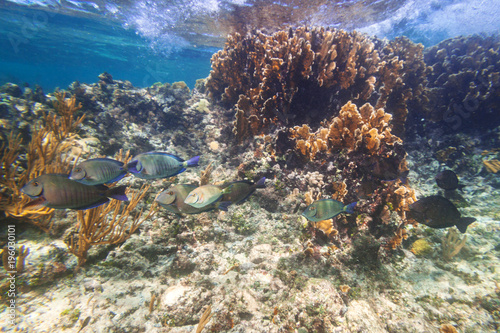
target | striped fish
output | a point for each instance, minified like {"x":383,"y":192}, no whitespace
{"x":59,"y":192}
{"x":98,"y":171}
{"x":155,"y":165}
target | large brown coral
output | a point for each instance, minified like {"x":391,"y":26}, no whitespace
{"x":303,"y":75}
{"x":364,"y":129}
{"x":464,"y":83}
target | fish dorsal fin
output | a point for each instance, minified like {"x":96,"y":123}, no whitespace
{"x":105,"y":159}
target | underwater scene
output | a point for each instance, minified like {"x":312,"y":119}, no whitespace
{"x":251,"y":166}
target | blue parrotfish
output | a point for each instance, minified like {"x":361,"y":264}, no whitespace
{"x":205,"y":195}
{"x":153,"y":165}
{"x":241,"y":190}
{"x":98,"y":171}
{"x":173,"y":198}
{"x":60,"y":192}
{"x":325,"y":209}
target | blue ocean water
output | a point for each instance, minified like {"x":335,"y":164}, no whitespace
{"x":53,"y":49}
{"x":52,"y":43}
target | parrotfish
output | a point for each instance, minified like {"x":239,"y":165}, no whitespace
{"x":448,"y":180}
{"x":60,"y":192}
{"x":205,"y":195}
{"x":156,"y":164}
{"x":325,"y":209}
{"x":241,"y":190}
{"x":436,"y":211}
{"x":173,"y":198}
{"x":98,"y":171}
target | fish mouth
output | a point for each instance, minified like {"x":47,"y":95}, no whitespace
{"x":33,"y":196}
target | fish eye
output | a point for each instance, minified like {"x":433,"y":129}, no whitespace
{"x":171,"y":193}
{"x":313,"y":208}
{"x":78,"y":169}
{"x":35,"y":184}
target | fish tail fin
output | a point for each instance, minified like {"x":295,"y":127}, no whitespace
{"x":464,"y":222}
{"x":117,"y":193}
{"x":261,"y":183}
{"x":404,"y":177}
{"x":132,"y":167}
{"x":223,"y":205}
{"x":192,"y":162}
{"x":349,"y":209}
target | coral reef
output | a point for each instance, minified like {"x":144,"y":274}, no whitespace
{"x":464,"y":83}
{"x":46,"y":152}
{"x":12,"y":263}
{"x":364,"y":130}
{"x":289,"y":77}
{"x":421,"y":247}
{"x":259,"y":267}
{"x":451,"y":244}
{"x":95,"y":227}
{"x":492,"y":165}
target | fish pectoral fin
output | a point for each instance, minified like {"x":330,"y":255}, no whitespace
{"x":36,"y":204}
{"x":223,"y":205}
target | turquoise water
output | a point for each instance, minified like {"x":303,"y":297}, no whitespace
{"x":53,"y":43}
{"x":53,"y":50}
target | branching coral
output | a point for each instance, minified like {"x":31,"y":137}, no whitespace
{"x":451,"y":244}
{"x":11,"y":263}
{"x":464,"y":83}
{"x":50,"y":139}
{"x":354,"y":130}
{"x":492,"y":165}
{"x":304,"y":74}
{"x":95,"y":227}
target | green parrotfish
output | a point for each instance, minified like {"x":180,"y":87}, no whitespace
{"x":60,"y":192}
{"x":325,"y":209}
{"x":156,"y":164}
{"x":98,"y":171}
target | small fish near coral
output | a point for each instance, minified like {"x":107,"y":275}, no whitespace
{"x":241,"y":190}
{"x":155,"y":164}
{"x":448,"y":180}
{"x":436,"y":211}
{"x":325,"y":209}
{"x":98,"y":171}
{"x":173,"y":198}
{"x":59,"y":192}
{"x":205,"y":195}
